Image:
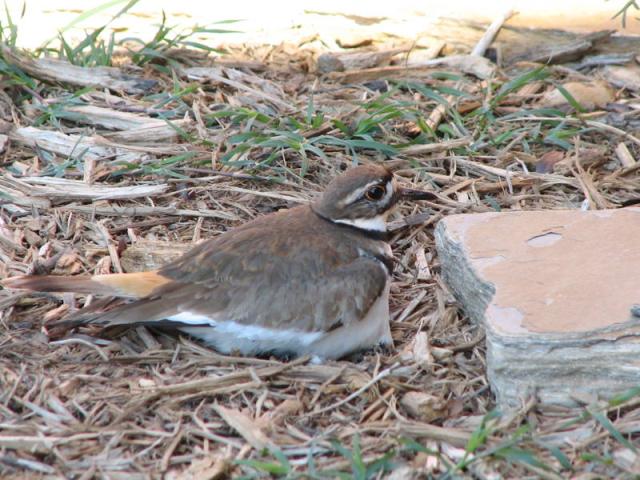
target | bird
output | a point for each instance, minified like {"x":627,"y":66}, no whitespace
{"x":310,"y":280}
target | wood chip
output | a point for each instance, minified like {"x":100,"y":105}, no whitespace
{"x":345,"y":61}
{"x":62,"y":188}
{"x":624,"y":155}
{"x":51,"y":70}
{"x":246,"y":427}
{"x":423,"y":406}
{"x":75,"y":146}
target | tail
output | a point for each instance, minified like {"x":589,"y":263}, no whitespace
{"x":126,"y":285}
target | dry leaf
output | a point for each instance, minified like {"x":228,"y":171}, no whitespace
{"x":247,"y":427}
{"x":547,"y":161}
{"x":423,"y":406}
{"x":207,"y":468}
{"x":588,"y":94}
{"x":421,"y":350}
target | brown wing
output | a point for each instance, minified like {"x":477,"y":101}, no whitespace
{"x":287,"y":271}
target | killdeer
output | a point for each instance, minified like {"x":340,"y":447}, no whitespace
{"x":313,"y":279}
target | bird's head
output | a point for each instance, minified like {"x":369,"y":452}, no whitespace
{"x":363,"y":197}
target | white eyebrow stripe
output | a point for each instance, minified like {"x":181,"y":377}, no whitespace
{"x":389,"y":194}
{"x":356,"y":194}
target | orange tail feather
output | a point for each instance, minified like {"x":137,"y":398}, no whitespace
{"x":130,"y":285}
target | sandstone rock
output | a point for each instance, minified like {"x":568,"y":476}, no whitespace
{"x":554,"y":291}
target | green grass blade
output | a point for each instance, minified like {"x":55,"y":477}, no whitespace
{"x":571,"y":99}
{"x":624,"y":396}
{"x":267,"y":467}
{"x":517,"y":83}
{"x":602,"y":419}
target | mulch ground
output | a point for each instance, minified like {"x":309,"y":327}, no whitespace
{"x":248,"y":138}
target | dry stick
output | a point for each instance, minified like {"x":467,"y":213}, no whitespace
{"x":216,"y":77}
{"x":456,"y":437}
{"x":144,"y":211}
{"x":113,"y":252}
{"x":481,"y":47}
{"x":624,"y":155}
{"x":436,"y":147}
{"x":164,"y":463}
{"x":357,"y":393}
{"x":374,"y":406}
{"x":578,"y":121}
{"x":80,"y":341}
{"x":491,"y":32}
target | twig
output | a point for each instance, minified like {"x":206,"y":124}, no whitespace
{"x":436,"y":116}
{"x":491,"y":32}
{"x":68,"y":341}
{"x":358,"y":392}
{"x":146,"y":211}
{"x":437,"y":147}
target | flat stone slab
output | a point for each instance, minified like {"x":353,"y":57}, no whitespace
{"x":554,"y":290}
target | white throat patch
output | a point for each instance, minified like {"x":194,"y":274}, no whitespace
{"x":374,"y":224}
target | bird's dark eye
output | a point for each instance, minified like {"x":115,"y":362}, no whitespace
{"x":375,"y":193}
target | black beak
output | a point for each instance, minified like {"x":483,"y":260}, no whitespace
{"x":412,"y":194}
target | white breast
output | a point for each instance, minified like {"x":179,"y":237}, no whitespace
{"x":229,"y":336}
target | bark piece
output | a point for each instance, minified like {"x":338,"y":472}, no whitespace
{"x":565,"y":52}
{"x":131,"y":127}
{"x":345,"y":61}
{"x":242,"y":82}
{"x":479,"y":67}
{"x":109,"y":118}
{"x":51,"y":70}
{"x":164,"y":132}
{"x":602,"y":60}
{"x":67,"y":190}
{"x":145,"y":255}
{"x":627,"y":76}
{"x":554,"y":295}
{"x":74,"y":146}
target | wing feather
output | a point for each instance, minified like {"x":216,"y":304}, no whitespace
{"x":281,"y":271}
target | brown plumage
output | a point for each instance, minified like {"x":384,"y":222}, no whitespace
{"x":297,"y":280}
